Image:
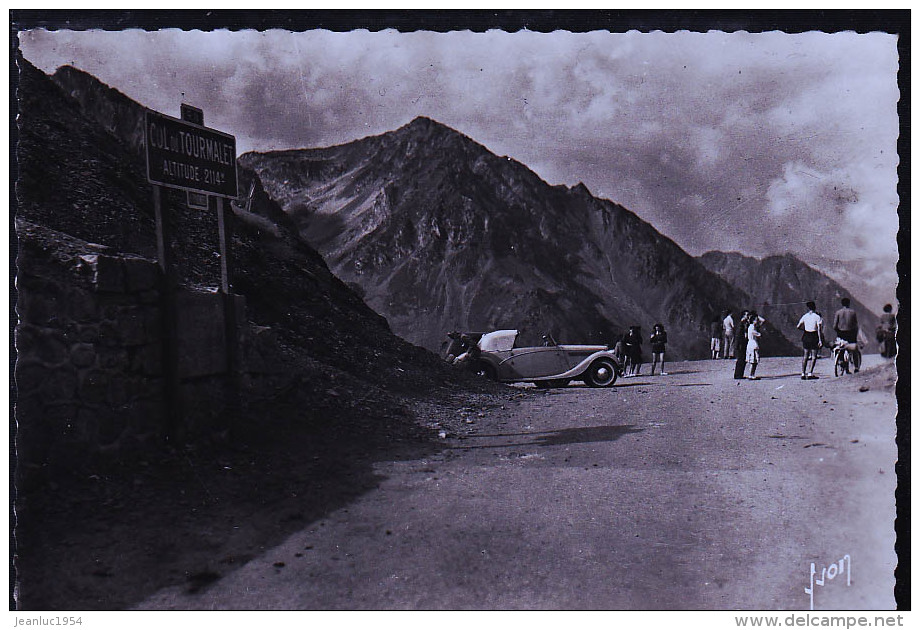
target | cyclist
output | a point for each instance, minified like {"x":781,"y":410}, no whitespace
{"x":847,"y":328}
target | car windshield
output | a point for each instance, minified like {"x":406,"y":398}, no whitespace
{"x":498,"y":341}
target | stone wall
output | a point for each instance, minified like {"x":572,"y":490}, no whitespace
{"x":90,"y":372}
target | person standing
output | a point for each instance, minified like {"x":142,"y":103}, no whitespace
{"x":728,"y":336}
{"x":715,"y":337}
{"x":619,"y":353}
{"x":847,"y":328}
{"x":810,"y":325}
{"x":753,"y":346}
{"x":888,"y":330}
{"x":633,"y":343}
{"x":741,"y":345}
{"x":658,"y":340}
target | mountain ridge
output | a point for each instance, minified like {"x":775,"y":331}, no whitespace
{"x":426,"y":217}
{"x":784,"y":283}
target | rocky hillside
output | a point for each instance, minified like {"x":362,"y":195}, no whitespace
{"x":112,"y":110}
{"x":442,"y":234}
{"x":78,"y":178}
{"x":780,"y":285}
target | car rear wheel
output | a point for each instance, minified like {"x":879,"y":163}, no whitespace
{"x":602,"y":373}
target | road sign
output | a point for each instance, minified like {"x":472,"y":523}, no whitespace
{"x":192,"y":114}
{"x":181,"y":154}
{"x":196,"y":201}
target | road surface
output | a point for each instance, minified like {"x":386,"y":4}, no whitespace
{"x":685,"y":491}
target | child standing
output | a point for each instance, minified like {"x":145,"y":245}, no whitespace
{"x":715,"y":337}
{"x":753,"y":347}
{"x":658,"y":340}
{"x":619,"y":351}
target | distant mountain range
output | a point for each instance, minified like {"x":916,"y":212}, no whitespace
{"x":782,"y":284}
{"x":858,"y":276}
{"x":437,"y":233}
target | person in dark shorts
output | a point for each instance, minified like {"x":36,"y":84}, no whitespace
{"x":810,"y":325}
{"x":658,"y":340}
{"x":715,"y":337}
{"x":741,"y":345}
{"x":847,"y":328}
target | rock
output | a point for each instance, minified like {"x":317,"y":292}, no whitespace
{"x":141,"y":274}
{"x":59,"y":386}
{"x":82,"y":354}
{"x":109,"y":274}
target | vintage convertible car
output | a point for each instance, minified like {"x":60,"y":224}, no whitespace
{"x":550,"y":365}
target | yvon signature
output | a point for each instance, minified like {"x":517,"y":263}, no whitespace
{"x":828,"y":572}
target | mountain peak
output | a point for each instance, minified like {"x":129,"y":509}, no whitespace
{"x":429,"y":127}
{"x":424,"y":121}
{"x":68,"y":69}
{"x":581,"y":189}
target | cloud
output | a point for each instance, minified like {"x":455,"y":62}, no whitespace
{"x":797,"y":192}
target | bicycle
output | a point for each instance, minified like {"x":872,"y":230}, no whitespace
{"x":843,"y":356}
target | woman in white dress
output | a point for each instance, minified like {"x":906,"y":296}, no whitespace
{"x":753,"y":347}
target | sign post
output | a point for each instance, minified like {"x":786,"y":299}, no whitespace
{"x":185,"y":155}
{"x":170,"y":346}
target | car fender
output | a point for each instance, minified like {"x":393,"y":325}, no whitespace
{"x":583,"y":365}
{"x":493,"y":362}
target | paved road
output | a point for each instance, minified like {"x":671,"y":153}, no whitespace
{"x":686,"y":491}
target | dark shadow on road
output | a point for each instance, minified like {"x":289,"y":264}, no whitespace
{"x":188,"y":517}
{"x":573,"y":435}
{"x":774,"y":377}
{"x":694,"y":384}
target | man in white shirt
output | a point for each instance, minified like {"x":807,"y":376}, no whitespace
{"x":728,"y":336}
{"x":810,"y":324}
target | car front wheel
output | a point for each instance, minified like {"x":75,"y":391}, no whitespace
{"x":484,"y":369}
{"x":602,"y":373}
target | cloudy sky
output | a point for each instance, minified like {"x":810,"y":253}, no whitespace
{"x":760,"y":143}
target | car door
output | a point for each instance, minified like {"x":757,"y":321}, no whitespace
{"x":536,"y":362}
